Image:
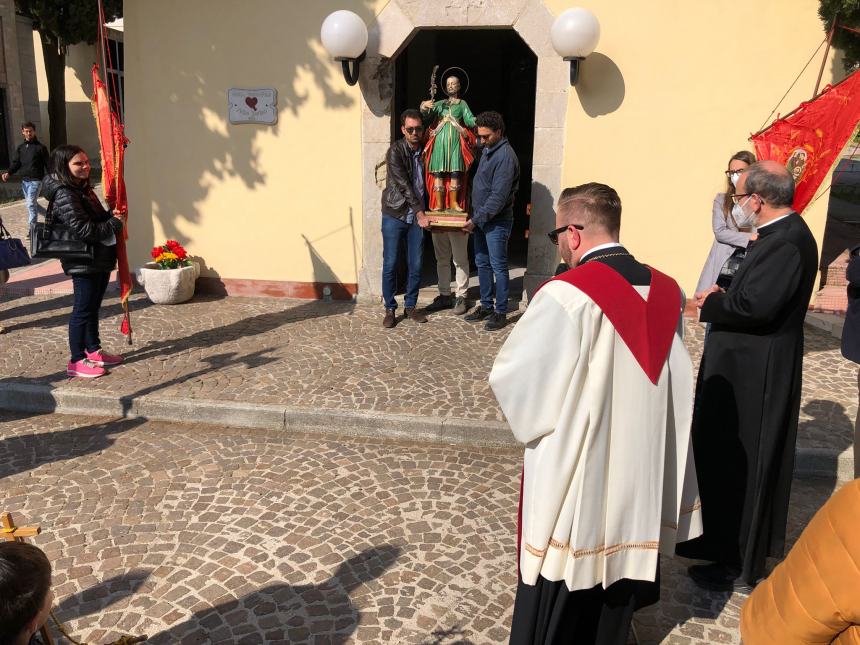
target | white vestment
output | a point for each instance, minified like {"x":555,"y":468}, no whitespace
{"x":608,"y":478}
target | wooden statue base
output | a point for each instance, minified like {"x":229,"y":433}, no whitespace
{"x":447,"y":220}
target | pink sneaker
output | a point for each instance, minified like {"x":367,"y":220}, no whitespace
{"x":99,"y":357}
{"x":85,"y":368}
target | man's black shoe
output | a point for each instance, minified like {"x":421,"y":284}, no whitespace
{"x":389,"y":321}
{"x":479,"y":313}
{"x":719,"y":577}
{"x":411,"y":313}
{"x":439,"y":303}
{"x":496,"y":321}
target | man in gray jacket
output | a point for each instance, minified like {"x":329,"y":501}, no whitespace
{"x":403,"y":218}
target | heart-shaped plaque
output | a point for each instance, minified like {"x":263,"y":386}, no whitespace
{"x":251,"y":102}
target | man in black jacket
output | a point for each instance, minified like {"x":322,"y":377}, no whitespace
{"x":851,"y":336}
{"x":403,"y":218}
{"x":31,"y":159}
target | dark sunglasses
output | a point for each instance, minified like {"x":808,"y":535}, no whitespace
{"x":413,"y":130}
{"x":553,"y":235}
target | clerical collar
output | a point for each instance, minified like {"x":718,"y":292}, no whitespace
{"x":773,"y":221}
{"x":599,"y":247}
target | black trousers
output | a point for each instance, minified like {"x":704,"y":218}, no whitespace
{"x":84,"y":322}
{"x":548,"y":614}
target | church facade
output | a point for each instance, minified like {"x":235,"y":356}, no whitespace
{"x":290,"y":206}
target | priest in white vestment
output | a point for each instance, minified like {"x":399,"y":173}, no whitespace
{"x":596,"y":382}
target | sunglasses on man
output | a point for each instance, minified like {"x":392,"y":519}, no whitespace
{"x":553,"y":235}
{"x":414,"y":129}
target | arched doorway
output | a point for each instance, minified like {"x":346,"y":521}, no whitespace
{"x":502,"y":74}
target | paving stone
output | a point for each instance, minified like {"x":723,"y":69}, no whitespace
{"x":205,"y":534}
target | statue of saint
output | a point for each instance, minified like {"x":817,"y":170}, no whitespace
{"x":448,"y":152}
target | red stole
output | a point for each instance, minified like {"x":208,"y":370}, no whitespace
{"x":647,"y":327}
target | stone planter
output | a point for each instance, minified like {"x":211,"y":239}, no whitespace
{"x":168,"y":286}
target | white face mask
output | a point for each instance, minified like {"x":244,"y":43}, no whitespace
{"x":733,"y":177}
{"x":742,"y":219}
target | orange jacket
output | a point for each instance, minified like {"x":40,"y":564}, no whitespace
{"x":813,"y":596}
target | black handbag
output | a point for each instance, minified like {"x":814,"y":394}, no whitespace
{"x":13,"y":254}
{"x":730,"y":267}
{"x":50,"y":239}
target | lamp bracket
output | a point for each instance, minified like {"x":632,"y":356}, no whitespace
{"x":350,"y":68}
{"x":574,"y":68}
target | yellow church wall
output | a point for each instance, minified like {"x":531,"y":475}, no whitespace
{"x":672,"y":91}
{"x":254,"y":202}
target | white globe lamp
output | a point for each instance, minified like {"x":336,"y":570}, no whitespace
{"x":344,"y":37}
{"x":575,"y":34}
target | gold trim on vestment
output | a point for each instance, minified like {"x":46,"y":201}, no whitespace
{"x":605,"y":550}
{"x":538,"y":553}
{"x":684,"y":511}
{"x":694,"y":507}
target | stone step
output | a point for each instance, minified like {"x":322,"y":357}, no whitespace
{"x":41,"y":398}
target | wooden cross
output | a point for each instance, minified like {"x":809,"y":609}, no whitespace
{"x":11,"y":533}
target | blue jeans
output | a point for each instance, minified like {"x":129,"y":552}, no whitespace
{"x":491,"y":258}
{"x":393,"y":231}
{"x":30,"y":188}
{"x":84,"y":322}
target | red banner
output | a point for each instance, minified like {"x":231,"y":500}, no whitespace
{"x":809,"y":139}
{"x":112,"y":143}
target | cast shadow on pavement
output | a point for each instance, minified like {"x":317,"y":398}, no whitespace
{"x":241,"y":329}
{"x":100,"y":597}
{"x":216,"y":362}
{"x":21,"y":453}
{"x":816,"y":340}
{"x":287,"y":613}
{"x":830,"y":421}
{"x":452,"y":636}
{"x":63,"y":303}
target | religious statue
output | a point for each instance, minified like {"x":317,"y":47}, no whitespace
{"x":448,"y":152}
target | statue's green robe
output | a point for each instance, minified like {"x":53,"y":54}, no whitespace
{"x":446,"y":155}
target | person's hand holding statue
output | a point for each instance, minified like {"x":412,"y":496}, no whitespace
{"x":5,"y":176}
{"x":423,"y":220}
{"x":468,"y":227}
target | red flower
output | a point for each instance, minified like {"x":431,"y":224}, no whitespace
{"x":172,"y":245}
{"x":180,"y":253}
{"x":156,"y":251}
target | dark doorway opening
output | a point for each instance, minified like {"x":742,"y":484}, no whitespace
{"x":5,"y":143}
{"x":502,"y":74}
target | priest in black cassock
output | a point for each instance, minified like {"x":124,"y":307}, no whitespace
{"x":748,"y":390}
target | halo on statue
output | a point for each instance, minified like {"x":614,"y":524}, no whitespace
{"x":445,"y":76}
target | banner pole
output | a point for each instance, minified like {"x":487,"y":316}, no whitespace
{"x":826,"y":52}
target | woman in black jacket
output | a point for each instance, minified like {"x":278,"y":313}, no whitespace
{"x":74,"y":203}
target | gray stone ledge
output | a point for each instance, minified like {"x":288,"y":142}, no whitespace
{"x":44,"y":398}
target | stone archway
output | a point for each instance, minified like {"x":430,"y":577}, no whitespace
{"x":389,"y":34}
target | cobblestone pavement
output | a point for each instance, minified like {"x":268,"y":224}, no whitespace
{"x":196,"y":534}
{"x":333,"y":356}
